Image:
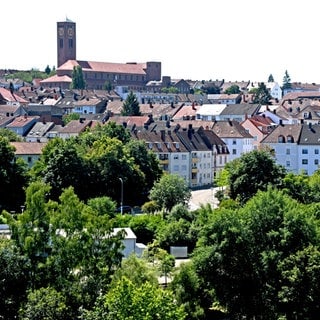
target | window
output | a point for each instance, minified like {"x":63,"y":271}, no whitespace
{"x":290,"y":139}
{"x":234,"y":151}
{"x":70,"y":43}
{"x":287,"y":163}
{"x":304,"y":151}
{"x":60,"y":43}
{"x":175,"y":168}
{"x":281,"y":139}
{"x":304,"y":161}
{"x":287,"y":151}
{"x":184,"y":167}
{"x":176,"y":157}
{"x":184,"y":157}
{"x":316,"y":151}
{"x":316,"y":161}
{"x":234,"y":141}
{"x":29,"y":159}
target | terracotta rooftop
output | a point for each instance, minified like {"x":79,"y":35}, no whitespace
{"x":23,"y":148}
{"x":134,"y":68}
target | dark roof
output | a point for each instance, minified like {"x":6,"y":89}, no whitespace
{"x":240,"y":109}
{"x":285,"y":130}
{"x":310,"y":134}
{"x":230,"y":129}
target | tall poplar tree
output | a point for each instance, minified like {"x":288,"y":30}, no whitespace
{"x":78,"y":81}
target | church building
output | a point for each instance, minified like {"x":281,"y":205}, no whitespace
{"x":97,"y":74}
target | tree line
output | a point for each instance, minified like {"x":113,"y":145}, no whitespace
{"x":256,"y":256}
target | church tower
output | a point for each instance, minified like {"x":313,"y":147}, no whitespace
{"x":66,"y":41}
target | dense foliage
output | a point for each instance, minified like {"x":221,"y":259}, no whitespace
{"x":255,"y":257}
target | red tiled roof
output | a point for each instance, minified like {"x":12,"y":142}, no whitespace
{"x":23,"y":148}
{"x":57,"y":78}
{"x":8,"y":96}
{"x":134,"y":68}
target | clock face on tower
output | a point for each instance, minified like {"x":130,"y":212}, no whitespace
{"x":61,"y":32}
{"x":70,"y":32}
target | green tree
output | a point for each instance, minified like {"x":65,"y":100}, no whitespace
{"x":232,"y":90}
{"x":13,"y":177}
{"x":262,"y":95}
{"x":47,"y":70}
{"x":44,"y":304}
{"x":298,"y":187}
{"x":78,"y":81}
{"x":62,"y":165}
{"x":71,"y":116}
{"x":111,"y":130}
{"x":148,"y":163}
{"x":13,"y":278}
{"x":10,"y":135}
{"x":137,"y":270}
{"x":170,"y":190}
{"x":128,"y":301}
{"x":270,"y":78}
{"x":286,"y":83}
{"x":188,"y":291}
{"x":248,"y":258}
{"x":131,"y":106}
{"x":251,"y":172}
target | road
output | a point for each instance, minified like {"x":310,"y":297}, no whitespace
{"x":203,"y":196}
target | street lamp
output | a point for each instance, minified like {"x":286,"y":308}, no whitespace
{"x":121,"y":200}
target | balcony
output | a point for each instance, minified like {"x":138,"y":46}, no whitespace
{"x":163,"y":162}
{"x":195,"y":160}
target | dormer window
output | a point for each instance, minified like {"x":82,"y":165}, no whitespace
{"x":281,"y":139}
{"x":290,"y":139}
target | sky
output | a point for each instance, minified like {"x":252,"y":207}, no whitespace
{"x":233,"y":40}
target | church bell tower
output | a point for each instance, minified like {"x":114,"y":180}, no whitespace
{"x":66,"y":41}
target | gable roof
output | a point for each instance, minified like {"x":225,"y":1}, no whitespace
{"x":230,"y":129}
{"x":7,"y":96}
{"x":240,"y":109}
{"x":56,"y":78}
{"x":285,"y":130}
{"x":28,"y":148}
{"x":133,"y":68}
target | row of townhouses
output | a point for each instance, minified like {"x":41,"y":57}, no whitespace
{"x":191,"y":138}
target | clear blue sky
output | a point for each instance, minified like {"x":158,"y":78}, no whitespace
{"x":199,"y":40}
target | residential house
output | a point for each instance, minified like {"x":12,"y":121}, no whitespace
{"x":220,"y":152}
{"x":224,"y":98}
{"x":9,"y":110}
{"x":74,"y":128}
{"x":295,"y":146}
{"x":274,"y":89}
{"x":22,"y":125}
{"x":201,"y":160}
{"x":243,"y":85}
{"x":89,"y":106}
{"x":210,"y":112}
{"x":303,"y":110}
{"x":38,"y":132}
{"x":11,"y":98}
{"x":259,"y":126}
{"x":238,"y":112}
{"x":235,"y":136}
{"x":298,"y":87}
{"x":5,"y":120}
{"x":173,"y":156}
{"x":30,"y":152}
{"x":182,"y":85}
